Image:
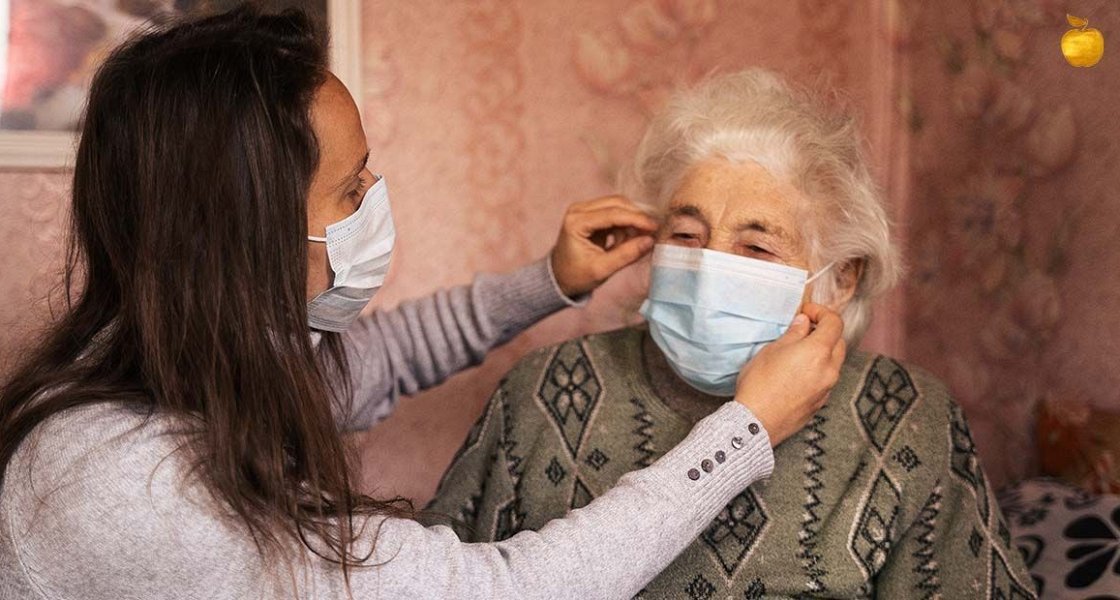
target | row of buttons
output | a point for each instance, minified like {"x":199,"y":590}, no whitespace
{"x":721,"y":456}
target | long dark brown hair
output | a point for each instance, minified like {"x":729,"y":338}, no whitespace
{"x":186,"y":274}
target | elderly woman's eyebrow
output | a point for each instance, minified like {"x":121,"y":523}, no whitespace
{"x":764,"y":227}
{"x":688,"y":210}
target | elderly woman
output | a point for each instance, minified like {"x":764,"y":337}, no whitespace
{"x":881,"y":494}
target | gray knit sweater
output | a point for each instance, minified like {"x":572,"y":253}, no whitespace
{"x":880,"y":495}
{"x":97,"y":505}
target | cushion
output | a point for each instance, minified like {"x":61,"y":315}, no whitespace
{"x":1069,"y":538}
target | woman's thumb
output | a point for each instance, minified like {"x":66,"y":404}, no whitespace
{"x":798,"y":329}
{"x":628,"y":252}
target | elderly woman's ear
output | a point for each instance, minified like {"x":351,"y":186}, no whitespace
{"x":847,"y":277}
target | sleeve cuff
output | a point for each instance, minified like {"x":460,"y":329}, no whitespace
{"x":725,"y":452}
{"x":578,"y":301}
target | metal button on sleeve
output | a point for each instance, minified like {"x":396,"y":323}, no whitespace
{"x":707,"y":465}
{"x":693,"y":474}
{"x":721,"y":456}
{"x":736,"y":442}
{"x":753,"y":428}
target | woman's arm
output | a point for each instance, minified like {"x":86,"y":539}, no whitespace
{"x":111,"y":516}
{"x":423,"y":342}
{"x":608,"y":549}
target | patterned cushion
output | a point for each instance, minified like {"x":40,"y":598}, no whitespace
{"x":1069,"y":539}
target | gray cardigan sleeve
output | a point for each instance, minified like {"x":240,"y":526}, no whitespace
{"x":423,"y":342}
{"x":97,"y":506}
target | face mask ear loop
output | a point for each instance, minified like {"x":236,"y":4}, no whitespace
{"x":819,"y":273}
{"x":315,"y":238}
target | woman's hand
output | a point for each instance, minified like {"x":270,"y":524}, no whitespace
{"x":598,"y":238}
{"x":789,"y":380}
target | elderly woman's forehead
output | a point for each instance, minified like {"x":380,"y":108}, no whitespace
{"x":744,"y":183}
{"x":743,"y":175}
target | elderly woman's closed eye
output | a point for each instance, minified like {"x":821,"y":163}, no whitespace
{"x":738,"y":209}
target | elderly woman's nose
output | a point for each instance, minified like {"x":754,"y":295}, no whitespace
{"x":721,"y":244}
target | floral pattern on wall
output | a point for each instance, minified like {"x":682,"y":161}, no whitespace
{"x":647,"y":52}
{"x":496,"y":140}
{"x":32,"y":220}
{"x":1005,"y":136}
{"x":640,"y":59}
{"x":826,"y":23}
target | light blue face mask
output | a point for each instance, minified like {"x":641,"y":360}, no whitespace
{"x":359,"y":248}
{"x":711,"y":312}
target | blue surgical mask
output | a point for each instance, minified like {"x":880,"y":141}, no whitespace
{"x":359,"y":248}
{"x":712,"y":312}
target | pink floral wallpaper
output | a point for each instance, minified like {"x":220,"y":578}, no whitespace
{"x":488,"y":117}
{"x":1012,"y":214}
{"x":32,"y":229}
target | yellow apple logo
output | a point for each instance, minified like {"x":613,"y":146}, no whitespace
{"x":1082,"y":46}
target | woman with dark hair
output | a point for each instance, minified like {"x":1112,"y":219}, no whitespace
{"x":177,"y":434}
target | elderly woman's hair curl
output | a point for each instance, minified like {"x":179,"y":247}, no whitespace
{"x":754,"y":116}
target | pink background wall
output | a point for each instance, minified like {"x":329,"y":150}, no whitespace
{"x":489,"y":117}
{"x":1013,"y":296}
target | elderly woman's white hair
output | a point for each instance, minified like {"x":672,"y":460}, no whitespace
{"x":754,"y":116}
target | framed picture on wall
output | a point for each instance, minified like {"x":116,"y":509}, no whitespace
{"x":49,"y":50}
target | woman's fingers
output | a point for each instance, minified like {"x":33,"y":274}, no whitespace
{"x":792,"y":378}
{"x":623,"y":255}
{"x":588,"y":223}
{"x":814,"y":311}
{"x":839,"y":353}
{"x":598,"y":238}
{"x":607,"y":202}
{"x":829,"y":326}
{"x":798,"y":329}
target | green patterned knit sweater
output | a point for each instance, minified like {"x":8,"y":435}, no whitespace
{"x":881,"y":495}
